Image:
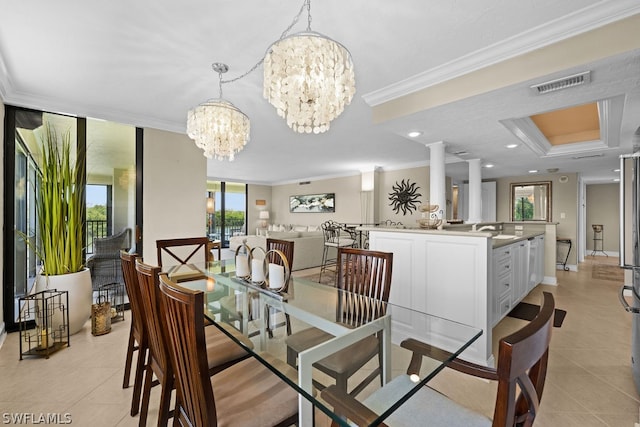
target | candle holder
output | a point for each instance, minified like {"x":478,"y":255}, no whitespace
{"x":243,"y":271}
{"x":49,"y":310}
{"x":273,"y":280}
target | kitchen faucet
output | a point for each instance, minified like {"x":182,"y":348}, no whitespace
{"x":484,"y":227}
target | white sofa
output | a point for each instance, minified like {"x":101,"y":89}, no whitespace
{"x":307,"y":249}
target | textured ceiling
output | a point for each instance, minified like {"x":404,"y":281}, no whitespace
{"x":146,"y":63}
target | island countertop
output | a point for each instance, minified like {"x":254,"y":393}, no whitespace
{"x":497,"y":241}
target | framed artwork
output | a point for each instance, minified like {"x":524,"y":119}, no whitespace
{"x":324,"y":202}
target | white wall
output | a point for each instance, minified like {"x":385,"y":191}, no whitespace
{"x":603,"y":207}
{"x":174,"y":189}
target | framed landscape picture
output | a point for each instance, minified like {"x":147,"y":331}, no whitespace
{"x":324,"y":202}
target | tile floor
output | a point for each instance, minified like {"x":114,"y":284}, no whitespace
{"x":588,"y":384}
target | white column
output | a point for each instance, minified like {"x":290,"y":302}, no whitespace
{"x":437,"y":187}
{"x":475,"y":191}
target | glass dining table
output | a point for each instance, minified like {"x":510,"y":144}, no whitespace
{"x":262,"y":315}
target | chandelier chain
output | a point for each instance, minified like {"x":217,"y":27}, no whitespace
{"x":306,"y":5}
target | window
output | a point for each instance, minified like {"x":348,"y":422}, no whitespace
{"x":531,"y":201}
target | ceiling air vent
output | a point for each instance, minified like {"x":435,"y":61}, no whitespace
{"x":562,"y":83}
{"x":587,"y":156}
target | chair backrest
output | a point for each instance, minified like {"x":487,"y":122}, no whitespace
{"x":113,"y":244}
{"x":183,"y":249}
{"x":331,"y":231}
{"x":284,"y":246}
{"x":128,"y":262}
{"x":367,"y":276}
{"x":183,"y":313}
{"x":522,"y":369}
{"x":148,"y":281}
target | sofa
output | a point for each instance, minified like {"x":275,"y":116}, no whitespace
{"x":307,"y":248}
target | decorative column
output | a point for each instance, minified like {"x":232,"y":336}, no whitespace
{"x":437,"y":184}
{"x":367,"y":196}
{"x":475,"y":191}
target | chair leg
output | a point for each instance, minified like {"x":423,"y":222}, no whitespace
{"x":146,"y":393}
{"x":139,"y":376}
{"x":324,"y":262}
{"x":286,"y":316}
{"x":165,"y":400}
{"x":291,"y":357}
{"x":127,"y":364}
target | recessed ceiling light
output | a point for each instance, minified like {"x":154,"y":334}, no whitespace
{"x":533,"y":171}
{"x":616,"y":179}
{"x":488,"y":165}
{"x":414,"y":133}
{"x":511,"y":145}
{"x":616,"y":170}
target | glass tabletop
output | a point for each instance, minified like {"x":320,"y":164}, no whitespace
{"x":260,"y":319}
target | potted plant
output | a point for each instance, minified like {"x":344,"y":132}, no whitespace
{"x":60,"y":198}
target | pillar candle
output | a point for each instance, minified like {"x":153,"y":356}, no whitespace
{"x":276,"y":276}
{"x":257,"y":270}
{"x":242,"y":266}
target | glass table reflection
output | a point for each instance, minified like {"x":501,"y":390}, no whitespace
{"x":310,"y":304}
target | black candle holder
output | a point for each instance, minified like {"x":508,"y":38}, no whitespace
{"x":50,"y":311}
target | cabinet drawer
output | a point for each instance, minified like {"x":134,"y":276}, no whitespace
{"x":503,"y":285}
{"x":504,"y":307}
{"x":502,"y":253}
{"x":503,"y":265}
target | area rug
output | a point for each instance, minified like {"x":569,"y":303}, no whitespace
{"x":607,"y":272}
{"x":328,"y":278}
{"x":526,"y":311}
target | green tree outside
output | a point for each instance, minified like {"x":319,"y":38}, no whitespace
{"x":523,"y":210}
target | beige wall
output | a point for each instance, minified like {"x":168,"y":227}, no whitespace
{"x":174,"y":189}
{"x":388,"y":179}
{"x":564,"y":202}
{"x":258,"y":192}
{"x":603,"y":207}
{"x":348,"y":198}
{"x":347,"y":190}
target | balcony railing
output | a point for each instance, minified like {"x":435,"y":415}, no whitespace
{"x":231,"y":228}
{"x":96,"y":228}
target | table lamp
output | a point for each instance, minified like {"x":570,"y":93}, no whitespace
{"x":264,"y":216}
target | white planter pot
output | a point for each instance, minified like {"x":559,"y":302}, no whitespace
{"x":78,"y":285}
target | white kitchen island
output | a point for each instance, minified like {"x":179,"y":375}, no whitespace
{"x":455,"y":275}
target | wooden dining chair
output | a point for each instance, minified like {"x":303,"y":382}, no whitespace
{"x":521,"y":373}
{"x":137,"y":334}
{"x":229,"y":309}
{"x":220,"y":350}
{"x":181,"y":254}
{"x":366,"y":276}
{"x":246,"y":394}
{"x":286,"y":247}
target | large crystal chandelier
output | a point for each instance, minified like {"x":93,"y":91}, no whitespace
{"x":309,"y":78}
{"x":217,"y":126}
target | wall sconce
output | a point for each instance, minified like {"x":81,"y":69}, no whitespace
{"x":368,"y":180}
{"x":264,"y":216}
{"x":261,"y":202}
{"x":211,"y":205}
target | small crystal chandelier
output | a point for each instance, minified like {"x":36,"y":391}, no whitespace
{"x":309,"y":78}
{"x":217,"y":126}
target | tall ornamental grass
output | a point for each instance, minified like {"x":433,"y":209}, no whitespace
{"x":59,"y":205}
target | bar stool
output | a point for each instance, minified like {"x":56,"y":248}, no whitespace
{"x":332,"y":241}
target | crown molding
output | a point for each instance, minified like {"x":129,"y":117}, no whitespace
{"x":581,"y":21}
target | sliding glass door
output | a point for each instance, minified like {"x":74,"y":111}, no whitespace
{"x":112,"y":152}
{"x":226,"y":210}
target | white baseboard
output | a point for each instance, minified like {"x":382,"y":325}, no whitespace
{"x":549,"y":280}
{"x":571,"y":267}
{"x":605,"y":254}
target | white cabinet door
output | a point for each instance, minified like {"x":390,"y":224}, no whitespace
{"x":521,"y":270}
